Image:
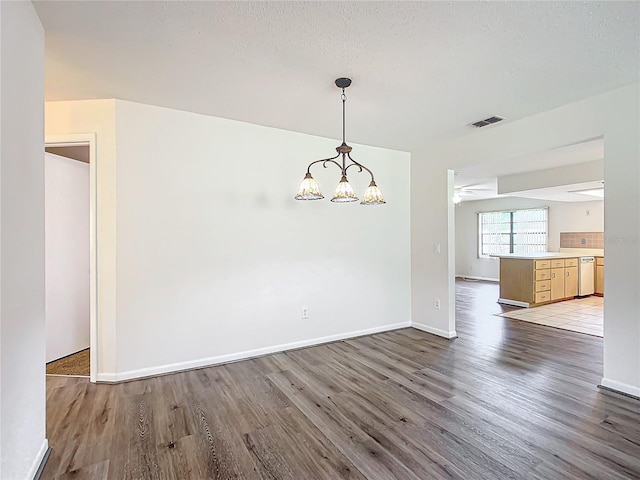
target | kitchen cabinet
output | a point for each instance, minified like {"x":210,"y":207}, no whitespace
{"x":522,"y":284}
{"x":542,"y":286}
{"x":571,"y":281}
{"x":564,"y":278}
{"x":599,"y":276}
{"x":529,"y":281}
{"x":557,"y":283}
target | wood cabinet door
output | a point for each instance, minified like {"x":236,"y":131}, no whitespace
{"x":570,"y":281}
{"x":599,"y":287}
{"x":557,"y":283}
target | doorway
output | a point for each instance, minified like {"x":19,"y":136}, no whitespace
{"x":71,"y":256}
{"x":568,"y":183}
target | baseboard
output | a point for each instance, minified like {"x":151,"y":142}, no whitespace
{"x":39,"y":462}
{"x":233,"y":357}
{"x":515,"y":303}
{"x":620,"y":387}
{"x":434,"y":331}
{"x":473,"y":277}
{"x":106,"y":378}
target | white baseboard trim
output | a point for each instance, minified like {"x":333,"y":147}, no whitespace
{"x":434,"y":331}
{"x":620,"y":387}
{"x":106,"y":378}
{"x":473,"y":277}
{"x":233,"y":357}
{"x":515,"y":303}
{"x":35,"y":466}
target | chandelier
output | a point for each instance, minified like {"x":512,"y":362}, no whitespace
{"x":309,"y":189}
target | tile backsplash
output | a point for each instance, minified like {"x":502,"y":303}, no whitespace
{"x":581,"y":239}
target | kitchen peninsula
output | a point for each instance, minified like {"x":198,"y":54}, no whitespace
{"x":537,"y":278}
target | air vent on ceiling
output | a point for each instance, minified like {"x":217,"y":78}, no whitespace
{"x":486,"y":121}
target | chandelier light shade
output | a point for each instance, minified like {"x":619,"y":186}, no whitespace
{"x":372,"y":195}
{"x":309,"y":188}
{"x":344,"y":192}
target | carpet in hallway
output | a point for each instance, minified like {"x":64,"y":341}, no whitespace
{"x":74,"y":364}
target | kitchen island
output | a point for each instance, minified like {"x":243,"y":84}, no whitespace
{"x":537,"y":278}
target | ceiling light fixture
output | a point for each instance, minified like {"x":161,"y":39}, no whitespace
{"x":309,"y":188}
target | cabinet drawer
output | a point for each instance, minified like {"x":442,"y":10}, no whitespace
{"x":543,"y":274}
{"x":543,"y":264}
{"x":543,"y":297}
{"x":571,"y":262}
{"x":557,"y":263}
{"x":543,"y":285}
{"x":599,"y":260}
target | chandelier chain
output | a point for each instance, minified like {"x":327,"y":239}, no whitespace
{"x":344,"y":101}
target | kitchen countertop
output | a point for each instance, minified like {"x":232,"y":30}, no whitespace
{"x":541,"y":255}
{"x":584,"y":252}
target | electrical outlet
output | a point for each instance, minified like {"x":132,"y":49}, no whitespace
{"x":436,"y":248}
{"x":436,"y":304}
{"x":304,"y":314}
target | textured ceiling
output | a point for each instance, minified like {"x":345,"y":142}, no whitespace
{"x":419,"y":69}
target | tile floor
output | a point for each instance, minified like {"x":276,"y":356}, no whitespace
{"x":583,"y":315}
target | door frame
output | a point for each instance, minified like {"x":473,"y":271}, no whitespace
{"x":87,"y":139}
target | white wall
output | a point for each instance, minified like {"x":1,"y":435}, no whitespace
{"x":66,"y":255}
{"x":22,"y":328}
{"x":215,"y":259}
{"x":431,"y":188}
{"x":563,"y":217}
{"x":97,"y":116}
{"x":613,"y":114}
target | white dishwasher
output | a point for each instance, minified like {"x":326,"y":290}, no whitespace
{"x":585,"y":276}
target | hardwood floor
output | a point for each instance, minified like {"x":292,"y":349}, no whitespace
{"x":507,"y":399}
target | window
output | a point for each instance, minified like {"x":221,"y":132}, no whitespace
{"x":512,"y":231}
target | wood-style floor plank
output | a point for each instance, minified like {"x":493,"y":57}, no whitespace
{"x":507,"y":399}
{"x":96,"y":471}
